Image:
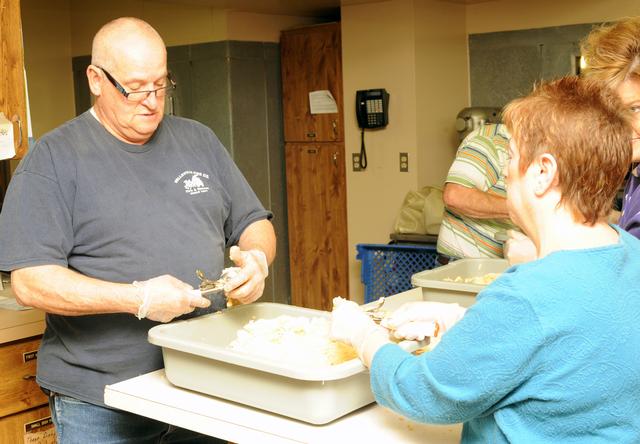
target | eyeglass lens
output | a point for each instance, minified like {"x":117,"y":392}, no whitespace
{"x":139,"y":96}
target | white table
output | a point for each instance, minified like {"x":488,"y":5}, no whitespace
{"x":152,"y":395}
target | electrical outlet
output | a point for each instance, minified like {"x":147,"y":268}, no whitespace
{"x":404,"y":162}
{"x":355,"y":157}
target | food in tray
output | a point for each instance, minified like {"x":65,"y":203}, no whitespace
{"x":485,"y":279}
{"x":294,"y":340}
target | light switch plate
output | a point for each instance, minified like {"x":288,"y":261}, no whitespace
{"x":404,"y":162}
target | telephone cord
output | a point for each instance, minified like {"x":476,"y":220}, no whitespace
{"x":363,"y":152}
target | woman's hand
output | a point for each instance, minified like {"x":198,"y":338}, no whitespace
{"x":421,"y":319}
{"x":350,"y":324}
{"x":519,"y":248}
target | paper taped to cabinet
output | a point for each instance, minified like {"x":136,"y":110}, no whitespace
{"x":7,"y":148}
{"x":322,"y":102}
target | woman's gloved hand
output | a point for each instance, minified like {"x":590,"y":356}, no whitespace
{"x":421,"y":319}
{"x":518,"y":248}
{"x":350,"y":324}
{"x":247,"y":284}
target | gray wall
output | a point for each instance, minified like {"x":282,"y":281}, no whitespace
{"x":235,"y":89}
{"x":505,"y":65}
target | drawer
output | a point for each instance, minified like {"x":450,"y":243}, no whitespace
{"x":31,"y":426}
{"x":18,"y":388}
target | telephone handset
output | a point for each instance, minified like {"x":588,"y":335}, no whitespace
{"x":372,"y":111}
{"x":372,"y":108}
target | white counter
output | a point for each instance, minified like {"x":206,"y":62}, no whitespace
{"x":18,"y":324}
{"x":152,"y":395}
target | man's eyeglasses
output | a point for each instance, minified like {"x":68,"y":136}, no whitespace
{"x":140,"y":96}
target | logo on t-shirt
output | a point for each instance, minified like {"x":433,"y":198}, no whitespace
{"x":193,"y":181}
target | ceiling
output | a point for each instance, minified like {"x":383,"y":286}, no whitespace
{"x":304,"y":8}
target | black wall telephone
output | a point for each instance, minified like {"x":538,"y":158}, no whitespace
{"x":372,"y":111}
{"x":372,"y":108}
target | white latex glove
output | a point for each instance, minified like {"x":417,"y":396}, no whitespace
{"x":247,"y":284}
{"x":421,"y":319}
{"x":519,"y":248}
{"x":165,"y":297}
{"x":350,"y":324}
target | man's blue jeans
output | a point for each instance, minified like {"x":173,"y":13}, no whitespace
{"x":79,"y":422}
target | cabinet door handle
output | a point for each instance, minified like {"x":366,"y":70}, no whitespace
{"x":29,"y":377}
{"x":335,"y":158}
{"x":335,"y":128}
{"x":311,"y":134}
{"x":16,"y":118}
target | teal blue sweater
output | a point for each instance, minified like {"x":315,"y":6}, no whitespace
{"x":549,"y":353}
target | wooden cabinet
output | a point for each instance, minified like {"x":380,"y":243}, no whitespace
{"x":311,"y":59}
{"x":32,"y":426}
{"x":23,"y":410}
{"x":317,"y":223}
{"x":12,"y":86}
{"x":18,"y":388}
{"x":315,"y":167}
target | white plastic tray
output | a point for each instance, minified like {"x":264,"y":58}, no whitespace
{"x":436,"y":288}
{"x":197,"y":357}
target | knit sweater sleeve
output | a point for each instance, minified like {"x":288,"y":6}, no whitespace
{"x":484,"y":357}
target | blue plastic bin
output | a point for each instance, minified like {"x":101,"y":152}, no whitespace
{"x":387,"y":269}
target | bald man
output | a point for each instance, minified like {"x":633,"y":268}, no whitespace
{"x":105,"y":223}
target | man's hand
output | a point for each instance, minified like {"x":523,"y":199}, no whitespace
{"x":519,"y":248}
{"x":248,"y":283}
{"x":164,"y":298}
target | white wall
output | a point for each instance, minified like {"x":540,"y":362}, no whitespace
{"x":442,"y":85}
{"x":262,"y":27}
{"x":505,"y":15}
{"x":47,"y":58}
{"x":378,"y":51}
{"x":416,"y":50}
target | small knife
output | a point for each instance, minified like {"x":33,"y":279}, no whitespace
{"x":209,"y":286}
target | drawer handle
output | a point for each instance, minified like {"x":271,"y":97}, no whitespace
{"x":14,"y":119}
{"x":29,"y":377}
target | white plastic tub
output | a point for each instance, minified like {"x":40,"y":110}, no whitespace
{"x":436,"y":288}
{"x":197,"y":357}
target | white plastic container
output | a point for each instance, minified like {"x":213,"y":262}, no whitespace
{"x":436,"y":288}
{"x":197,"y":357}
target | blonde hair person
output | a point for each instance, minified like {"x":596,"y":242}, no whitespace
{"x":538,"y":357}
{"x":612,"y":56}
{"x":612,"y":52}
